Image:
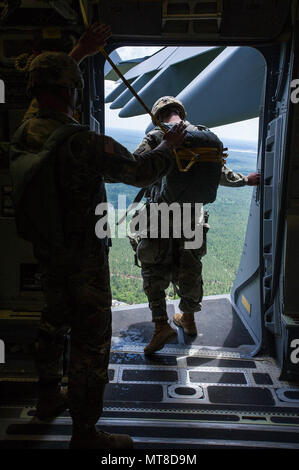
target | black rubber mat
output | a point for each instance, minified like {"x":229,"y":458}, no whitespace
{"x":292,"y":394}
{"x":185,"y":391}
{"x":150,"y":375}
{"x":141,"y":359}
{"x":218,"y":377}
{"x":285,"y":420}
{"x":231,"y":363}
{"x":262,"y":379}
{"x":129,"y":392}
{"x":240,"y":395}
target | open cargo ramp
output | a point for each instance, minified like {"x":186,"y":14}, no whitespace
{"x":201,"y":392}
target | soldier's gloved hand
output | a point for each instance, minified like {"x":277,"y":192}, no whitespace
{"x":253,"y":179}
{"x":176,"y":134}
{"x":93,"y":38}
{"x":90,"y":42}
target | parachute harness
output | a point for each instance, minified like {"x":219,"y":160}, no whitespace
{"x":193,"y":156}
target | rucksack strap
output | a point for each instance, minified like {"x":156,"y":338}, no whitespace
{"x":137,"y":199}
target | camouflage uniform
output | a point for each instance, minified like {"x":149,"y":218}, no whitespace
{"x":75,"y":277}
{"x":166,"y":260}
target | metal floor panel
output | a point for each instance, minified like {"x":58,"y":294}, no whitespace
{"x":188,"y":395}
{"x":169,"y":434}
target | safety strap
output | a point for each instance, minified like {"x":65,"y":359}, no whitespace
{"x":200,"y":154}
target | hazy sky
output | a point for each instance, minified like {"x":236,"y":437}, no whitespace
{"x":245,"y":130}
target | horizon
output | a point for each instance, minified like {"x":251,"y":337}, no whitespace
{"x":253,"y":142}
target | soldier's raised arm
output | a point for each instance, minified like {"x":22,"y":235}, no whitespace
{"x":118,"y":165}
{"x":90,"y":41}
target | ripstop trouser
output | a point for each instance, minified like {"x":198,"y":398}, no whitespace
{"x":77,"y":298}
{"x":167,"y":260}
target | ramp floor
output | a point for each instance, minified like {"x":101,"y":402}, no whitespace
{"x":200,"y":393}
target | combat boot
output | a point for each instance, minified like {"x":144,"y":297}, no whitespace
{"x":84,"y":437}
{"x":52,"y":401}
{"x":186,"y":321}
{"x":163,"y":334}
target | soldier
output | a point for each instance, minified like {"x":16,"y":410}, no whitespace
{"x":165,"y":260}
{"x":58,"y":169}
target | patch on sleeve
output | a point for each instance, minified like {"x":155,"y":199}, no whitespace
{"x":143,"y":147}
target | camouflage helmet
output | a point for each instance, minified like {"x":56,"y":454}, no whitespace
{"x":54,"y":69}
{"x":166,"y":102}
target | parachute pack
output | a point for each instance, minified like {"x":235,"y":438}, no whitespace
{"x":38,"y":219}
{"x":200,"y":183}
